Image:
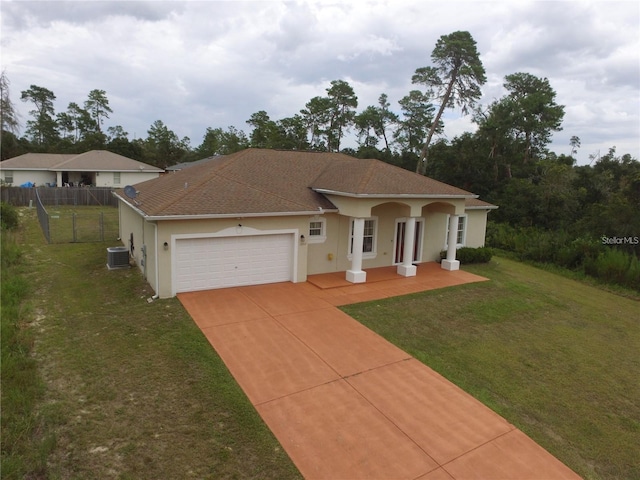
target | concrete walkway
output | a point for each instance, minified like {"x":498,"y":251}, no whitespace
{"x":347,"y":404}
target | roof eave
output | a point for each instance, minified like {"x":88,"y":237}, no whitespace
{"x":483,"y":207}
{"x":212,"y":216}
{"x":79,"y":169}
{"x":392,"y":195}
{"x":134,"y":207}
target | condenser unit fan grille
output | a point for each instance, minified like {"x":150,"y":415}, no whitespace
{"x":117,"y":257}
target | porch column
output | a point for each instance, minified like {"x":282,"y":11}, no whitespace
{"x":407,"y":268}
{"x":59,"y":179}
{"x":356,"y":275}
{"x":451,"y":263}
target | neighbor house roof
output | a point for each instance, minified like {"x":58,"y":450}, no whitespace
{"x":257,"y":181}
{"x":93,"y":160}
{"x":34,"y":161}
{"x":182,"y":166}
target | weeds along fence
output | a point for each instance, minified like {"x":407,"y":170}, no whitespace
{"x":62,"y":223}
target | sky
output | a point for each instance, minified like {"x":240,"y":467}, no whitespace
{"x":200,"y":64}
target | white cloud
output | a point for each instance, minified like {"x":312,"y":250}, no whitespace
{"x":195,"y":64}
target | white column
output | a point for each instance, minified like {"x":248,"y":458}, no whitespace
{"x":356,"y":274}
{"x":450,"y":263}
{"x":407,"y":268}
{"x":59,"y":179}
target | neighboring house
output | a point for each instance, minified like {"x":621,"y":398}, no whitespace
{"x":98,"y":168}
{"x":265,"y":216}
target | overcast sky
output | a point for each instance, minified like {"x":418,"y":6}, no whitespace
{"x":195,"y":65}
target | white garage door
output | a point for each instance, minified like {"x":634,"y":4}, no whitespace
{"x":207,"y":263}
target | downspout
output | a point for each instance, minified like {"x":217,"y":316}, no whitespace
{"x":157,"y":295}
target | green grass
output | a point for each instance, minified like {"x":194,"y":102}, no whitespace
{"x":69,"y":224}
{"x":132,"y":389}
{"x":557,"y":358}
{"x":26,"y":443}
{"x":117,"y":387}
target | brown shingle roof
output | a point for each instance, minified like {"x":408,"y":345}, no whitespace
{"x":103,"y":160}
{"x":258,"y":181}
{"x":476,"y":203}
{"x":93,"y":160}
{"x":358,"y":176}
{"x":34,"y":161}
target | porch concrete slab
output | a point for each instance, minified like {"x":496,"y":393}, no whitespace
{"x":356,"y":297}
{"x":266,"y":360}
{"x":343,"y":343}
{"x":513,"y":455}
{"x":332,"y":432}
{"x":384,"y":282}
{"x":442,"y":419}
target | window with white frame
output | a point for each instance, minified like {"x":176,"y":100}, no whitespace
{"x":369,"y":240}
{"x":116,"y":178}
{"x":8,"y":176}
{"x":317,"y":230}
{"x":461,"y":234}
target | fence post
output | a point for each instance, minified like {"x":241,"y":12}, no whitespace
{"x":43,"y":216}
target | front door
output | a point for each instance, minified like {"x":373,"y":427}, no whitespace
{"x":401,"y":225}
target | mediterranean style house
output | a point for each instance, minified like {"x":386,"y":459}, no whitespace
{"x":265,"y":216}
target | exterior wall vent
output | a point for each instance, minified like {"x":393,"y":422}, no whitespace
{"x":117,"y":257}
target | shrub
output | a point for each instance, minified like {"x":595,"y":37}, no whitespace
{"x":615,"y":266}
{"x":611,"y":265}
{"x":467,"y":255}
{"x":572,"y":255}
{"x":8,"y":216}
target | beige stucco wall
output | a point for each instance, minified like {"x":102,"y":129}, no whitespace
{"x":432,"y":213}
{"x":476,"y":228}
{"x":436,"y":229}
{"x":133,"y":225}
{"x":331,"y":255}
{"x":171,"y":230}
{"x":326,"y":256}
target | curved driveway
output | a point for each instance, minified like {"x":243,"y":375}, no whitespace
{"x":347,"y":404}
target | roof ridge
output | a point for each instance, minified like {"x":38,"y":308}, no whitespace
{"x":202,"y":180}
{"x":68,"y":160}
{"x":366,"y":178}
{"x":253,"y":187}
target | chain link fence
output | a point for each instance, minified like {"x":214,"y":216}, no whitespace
{"x":72,"y":223}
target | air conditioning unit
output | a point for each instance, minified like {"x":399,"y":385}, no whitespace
{"x":117,"y":257}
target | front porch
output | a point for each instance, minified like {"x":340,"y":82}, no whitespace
{"x":384,"y":282}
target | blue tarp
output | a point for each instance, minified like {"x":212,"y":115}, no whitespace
{"x":28,"y":185}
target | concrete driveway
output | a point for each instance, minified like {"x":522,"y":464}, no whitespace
{"x":347,"y":404}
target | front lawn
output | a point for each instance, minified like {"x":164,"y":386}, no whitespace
{"x":557,"y":358}
{"x":131,"y":388}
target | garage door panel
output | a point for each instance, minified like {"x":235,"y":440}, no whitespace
{"x":218,"y":262}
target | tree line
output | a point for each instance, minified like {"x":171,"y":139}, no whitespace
{"x":400,"y":135}
{"x":506,"y":160}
